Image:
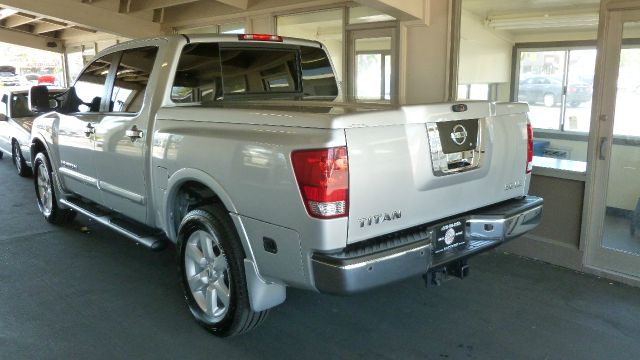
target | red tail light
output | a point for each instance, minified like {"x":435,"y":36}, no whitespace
{"x":529,"y":147}
{"x":260,"y":37}
{"x":323,"y":179}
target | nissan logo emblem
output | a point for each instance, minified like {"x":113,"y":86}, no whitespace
{"x":459,"y":134}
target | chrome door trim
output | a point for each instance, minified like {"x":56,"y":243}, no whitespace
{"x":136,"y":198}
{"x":78,"y":176}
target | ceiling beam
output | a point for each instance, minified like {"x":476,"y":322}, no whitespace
{"x":201,"y":13}
{"x":18,"y":20}
{"x":401,"y":9}
{"x":240,"y":4}
{"x":129,"y":6}
{"x":44,"y":26}
{"x":30,"y":40}
{"x":88,"y":15}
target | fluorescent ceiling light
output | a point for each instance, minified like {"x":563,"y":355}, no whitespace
{"x":542,"y":21}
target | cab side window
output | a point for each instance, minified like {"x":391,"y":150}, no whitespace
{"x":90,"y":86}
{"x":20,"y":106}
{"x":132,"y":78}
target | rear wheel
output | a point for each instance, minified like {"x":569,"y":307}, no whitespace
{"x":18,"y":160}
{"x":211,"y":270}
{"x":1,"y":154}
{"x":45,"y":193}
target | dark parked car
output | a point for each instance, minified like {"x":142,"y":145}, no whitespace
{"x":548,"y":91}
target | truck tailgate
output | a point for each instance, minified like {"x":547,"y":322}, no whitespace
{"x":437,"y":163}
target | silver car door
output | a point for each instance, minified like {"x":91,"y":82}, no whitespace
{"x":76,"y":129}
{"x":121,"y":135}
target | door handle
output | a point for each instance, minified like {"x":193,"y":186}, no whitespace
{"x":134,"y":133}
{"x":602,"y":151}
{"x":89,"y":130}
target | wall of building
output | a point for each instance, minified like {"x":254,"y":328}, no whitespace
{"x":424,"y":57}
{"x":485,"y":55}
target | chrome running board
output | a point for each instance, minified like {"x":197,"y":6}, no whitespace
{"x":154,"y":240}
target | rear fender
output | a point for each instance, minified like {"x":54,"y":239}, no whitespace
{"x":262,"y":294}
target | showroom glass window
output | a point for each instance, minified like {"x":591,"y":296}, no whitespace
{"x":558,"y":86}
{"x":131,"y":79}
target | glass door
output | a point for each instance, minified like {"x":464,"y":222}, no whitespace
{"x":372,"y":62}
{"x":613,"y":221}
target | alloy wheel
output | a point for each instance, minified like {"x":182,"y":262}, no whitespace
{"x":45,"y":190}
{"x":207,"y":273}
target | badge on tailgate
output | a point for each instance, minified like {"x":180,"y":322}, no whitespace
{"x":457,"y":136}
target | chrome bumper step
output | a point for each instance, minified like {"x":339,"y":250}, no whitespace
{"x":377,"y":264}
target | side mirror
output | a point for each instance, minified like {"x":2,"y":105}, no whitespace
{"x":5,"y":98}
{"x":39,"y":99}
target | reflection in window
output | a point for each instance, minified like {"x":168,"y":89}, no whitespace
{"x":318,"y":79}
{"x":198,"y":77}
{"x":90,"y":86}
{"x":262,"y":68}
{"x":132,"y":78}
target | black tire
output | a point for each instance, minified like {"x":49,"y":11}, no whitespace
{"x":239,"y":317}
{"x":52,"y":213}
{"x":1,"y":154}
{"x":18,"y":160}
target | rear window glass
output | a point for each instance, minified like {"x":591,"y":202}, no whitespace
{"x":207,"y":72}
{"x":318,"y":79}
{"x":256,"y":71}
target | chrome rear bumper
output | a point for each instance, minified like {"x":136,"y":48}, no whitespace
{"x":409,"y":253}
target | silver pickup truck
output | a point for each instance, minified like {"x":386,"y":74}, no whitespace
{"x":235,"y":149}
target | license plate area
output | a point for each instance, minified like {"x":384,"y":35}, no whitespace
{"x":449,"y":236}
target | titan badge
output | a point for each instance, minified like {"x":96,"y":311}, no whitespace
{"x":380,"y":218}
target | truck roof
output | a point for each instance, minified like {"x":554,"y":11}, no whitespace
{"x":192,"y":38}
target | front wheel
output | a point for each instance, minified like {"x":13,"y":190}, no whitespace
{"x":45,"y":193}
{"x":18,"y":160}
{"x":211,"y":270}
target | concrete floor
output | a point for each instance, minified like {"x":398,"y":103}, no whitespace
{"x":66,"y":294}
